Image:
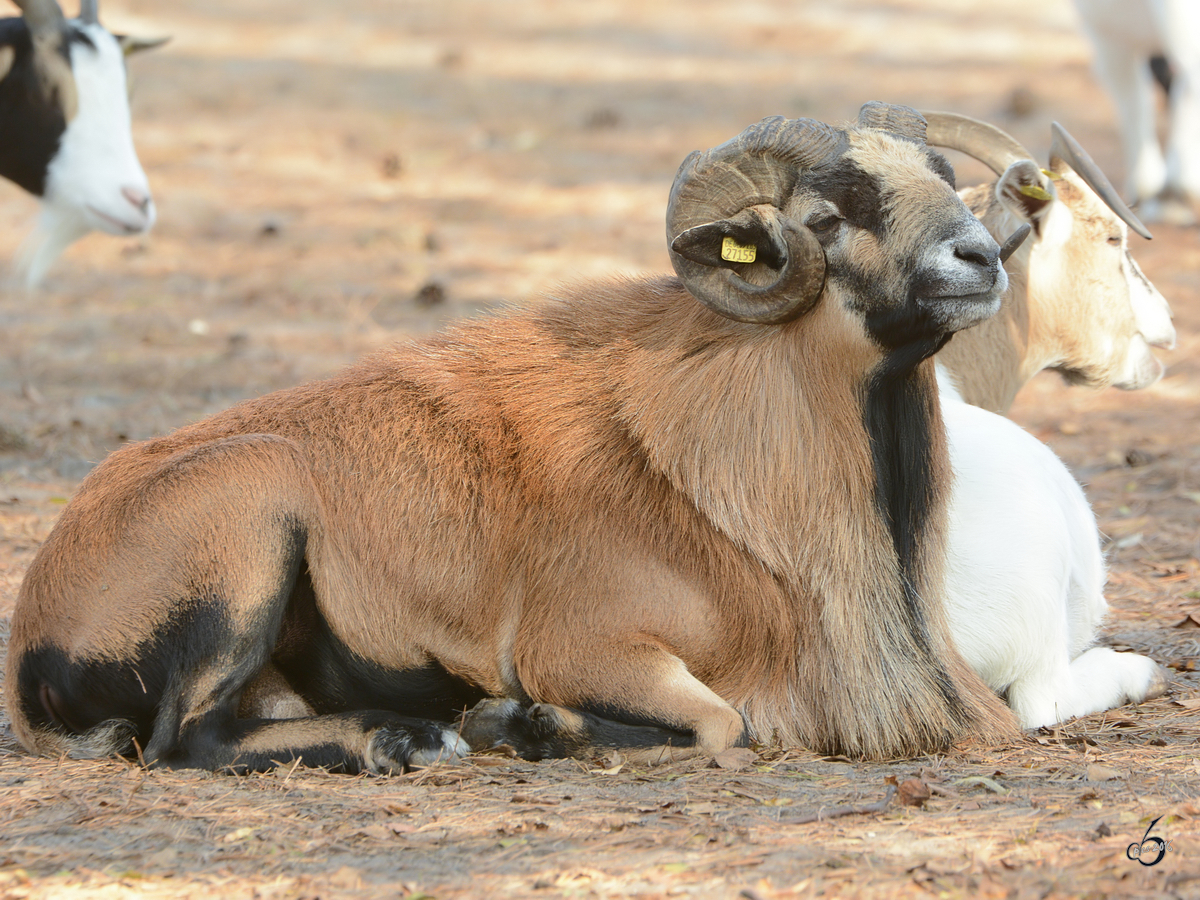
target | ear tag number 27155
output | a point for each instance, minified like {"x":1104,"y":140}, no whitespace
{"x":732,"y":251}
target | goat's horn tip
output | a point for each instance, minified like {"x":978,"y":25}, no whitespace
{"x":1014,"y":241}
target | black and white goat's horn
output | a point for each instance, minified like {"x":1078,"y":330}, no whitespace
{"x":1066,"y":148}
{"x":43,"y":17}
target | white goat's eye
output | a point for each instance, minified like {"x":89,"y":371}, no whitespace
{"x":1115,"y":240}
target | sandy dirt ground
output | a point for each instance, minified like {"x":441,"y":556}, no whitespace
{"x":332,"y":177}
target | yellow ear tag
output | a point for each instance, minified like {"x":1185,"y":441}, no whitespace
{"x":732,"y":251}
{"x":1037,"y":192}
{"x":1053,"y":176}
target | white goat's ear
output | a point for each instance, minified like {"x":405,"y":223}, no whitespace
{"x":7,"y":55}
{"x":745,"y":238}
{"x":1026,"y":191}
{"x":130,"y":44}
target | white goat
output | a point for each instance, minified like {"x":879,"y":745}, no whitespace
{"x":1078,"y":302}
{"x":1025,"y":575}
{"x":64,"y":111}
{"x":1125,"y":35}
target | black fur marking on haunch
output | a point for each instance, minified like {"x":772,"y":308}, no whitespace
{"x":332,"y":678}
{"x":898,"y":414}
{"x":75,"y":696}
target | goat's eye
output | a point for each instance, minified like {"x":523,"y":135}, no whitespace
{"x":825,"y":224}
{"x":1115,"y":240}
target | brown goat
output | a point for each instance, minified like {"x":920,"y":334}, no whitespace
{"x":627,"y":518}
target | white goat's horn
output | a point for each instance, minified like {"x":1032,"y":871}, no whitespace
{"x":89,"y":11}
{"x":42,"y":16}
{"x":1066,"y":148}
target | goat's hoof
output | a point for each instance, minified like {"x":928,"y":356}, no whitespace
{"x":533,"y":732}
{"x":397,"y":748}
{"x":1159,"y":681}
{"x":489,"y":722}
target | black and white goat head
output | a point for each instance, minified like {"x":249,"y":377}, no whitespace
{"x":65,"y":122}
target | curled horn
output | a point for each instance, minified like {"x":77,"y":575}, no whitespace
{"x":43,"y":17}
{"x":902,"y":120}
{"x":994,"y":148}
{"x":1065,"y":148}
{"x":89,"y":12}
{"x":759,"y":167}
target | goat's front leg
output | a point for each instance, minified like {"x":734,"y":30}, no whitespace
{"x":639,"y":699}
{"x":1096,"y":680}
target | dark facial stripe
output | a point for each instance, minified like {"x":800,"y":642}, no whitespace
{"x":32,"y":122}
{"x":856,"y":193}
{"x":942,"y":166}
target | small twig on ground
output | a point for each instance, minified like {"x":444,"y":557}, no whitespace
{"x":292,"y":771}
{"x":835,"y":812}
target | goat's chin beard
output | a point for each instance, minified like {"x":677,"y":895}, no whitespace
{"x":56,"y":229}
{"x":961,"y":313}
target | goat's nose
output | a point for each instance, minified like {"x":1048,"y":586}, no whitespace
{"x":984,"y":255}
{"x":137,"y":197}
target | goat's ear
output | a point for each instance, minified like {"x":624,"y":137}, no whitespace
{"x":130,"y":44}
{"x":1026,"y":191}
{"x":7,"y":55}
{"x":745,"y":238}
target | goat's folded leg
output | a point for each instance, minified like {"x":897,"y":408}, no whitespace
{"x":206,"y":547}
{"x":367,"y":741}
{"x":638,"y":699}
{"x":1096,"y":680}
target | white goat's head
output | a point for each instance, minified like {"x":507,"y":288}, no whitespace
{"x":1079,"y":271}
{"x":64,"y":94}
{"x":763,"y":226}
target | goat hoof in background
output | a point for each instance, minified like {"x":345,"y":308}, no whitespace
{"x":394,"y":749}
{"x":533,"y":731}
{"x":1159,"y":682}
{"x":545,"y":731}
